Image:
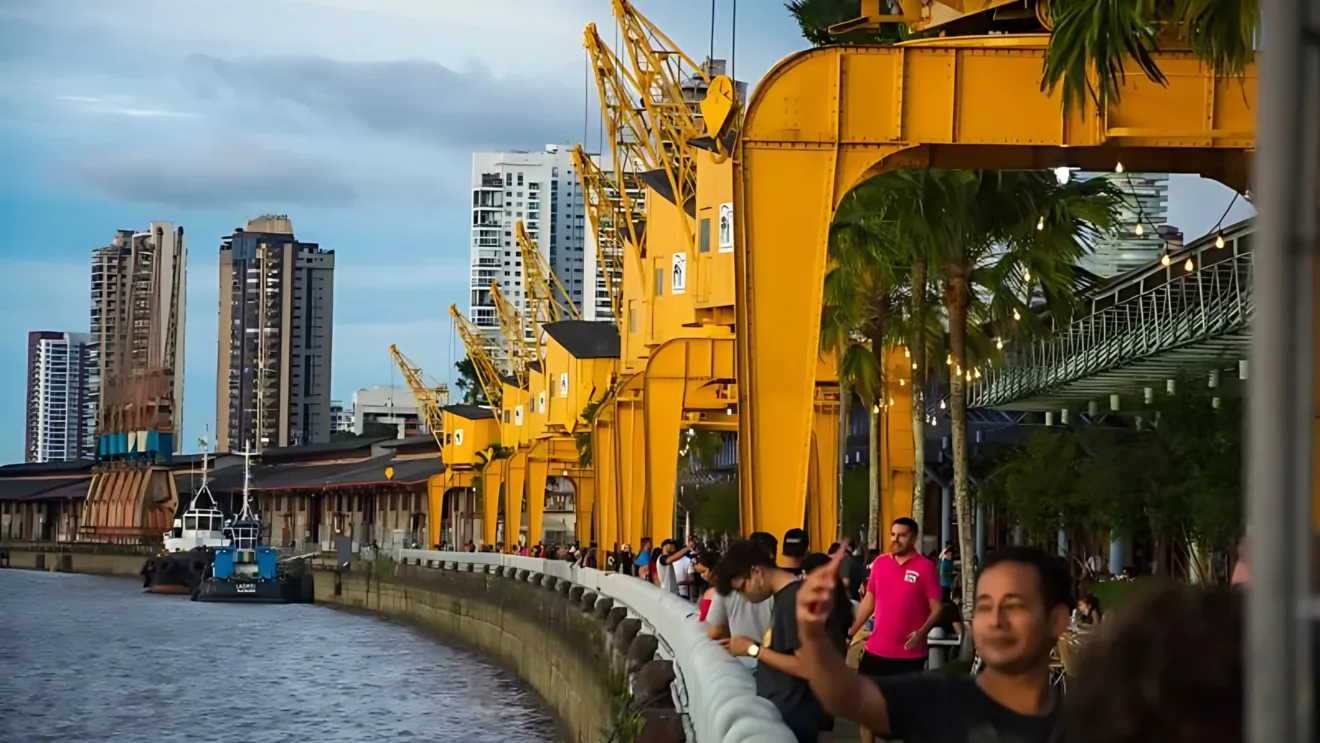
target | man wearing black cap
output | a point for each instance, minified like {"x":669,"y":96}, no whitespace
{"x":793,"y":550}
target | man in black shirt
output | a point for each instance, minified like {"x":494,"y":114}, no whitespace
{"x":1023,"y":603}
{"x":751,"y":571}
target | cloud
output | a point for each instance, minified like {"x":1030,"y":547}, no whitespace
{"x":419,"y":99}
{"x":224,"y":174}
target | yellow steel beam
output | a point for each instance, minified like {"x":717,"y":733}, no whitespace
{"x":826,"y":119}
{"x":604,"y":461}
{"x":515,"y":479}
{"x":584,"y":504}
{"x":538,"y":471}
{"x":491,"y":479}
{"x":823,"y":484}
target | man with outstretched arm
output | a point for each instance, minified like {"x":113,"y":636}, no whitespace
{"x":1023,"y":602}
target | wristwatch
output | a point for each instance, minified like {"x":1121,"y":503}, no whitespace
{"x":753,"y":651}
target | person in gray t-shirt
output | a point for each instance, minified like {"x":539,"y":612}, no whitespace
{"x":735,"y":616}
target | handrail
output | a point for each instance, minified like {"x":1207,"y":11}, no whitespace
{"x":718,"y":691}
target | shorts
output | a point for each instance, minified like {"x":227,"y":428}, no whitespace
{"x":875,"y":666}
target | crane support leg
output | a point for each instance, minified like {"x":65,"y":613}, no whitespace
{"x":491,"y":479}
{"x":824,"y":120}
{"x":823,"y":493}
{"x":584,"y":502}
{"x":632,"y":466}
{"x":437,"y":486}
{"x":537,"y":472}
{"x":898,"y":463}
{"x":513,"y":499}
{"x":604,"y":459}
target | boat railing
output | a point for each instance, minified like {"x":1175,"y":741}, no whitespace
{"x":714,"y":691}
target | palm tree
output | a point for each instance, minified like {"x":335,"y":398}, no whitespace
{"x":862,"y":304}
{"x":998,"y":241}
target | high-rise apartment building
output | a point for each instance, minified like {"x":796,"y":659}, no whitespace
{"x":59,"y":369}
{"x":541,"y":189}
{"x":139,"y":297}
{"x":276,"y":315}
{"x":1145,"y":199}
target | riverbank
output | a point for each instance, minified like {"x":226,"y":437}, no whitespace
{"x":555,"y":648}
{"x":90,"y":559}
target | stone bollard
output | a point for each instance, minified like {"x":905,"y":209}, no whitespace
{"x":661,"y":726}
{"x":651,"y":684}
{"x":604,"y":605}
{"x":575,"y":594}
{"x":936,"y":653}
{"x":534,"y":577}
{"x":640,"y":652}
{"x":520,"y":575}
{"x":588,"y":602}
{"x":549,"y":582}
{"x":563,"y":587}
{"x":623,"y":635}
{"x":616,"y":615}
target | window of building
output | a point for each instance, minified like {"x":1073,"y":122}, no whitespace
{"x":520,"y":179}
{"x":704,"y":242}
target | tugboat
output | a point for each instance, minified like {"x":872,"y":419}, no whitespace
{"x":246,"y":568}
{"x":189,"y":547}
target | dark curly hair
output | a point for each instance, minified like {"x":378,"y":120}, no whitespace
{"x":1166,"y":667}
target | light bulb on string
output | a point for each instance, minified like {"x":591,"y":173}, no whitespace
{"x":1026,"y":274}
{"x":907,"y":353}
{"x":914,"y":366}
{"x":941,"y":404}
{"x":999,"y":343}
{"x":875,"y":408}
{"x":1166,"y":260}
{"x":948,"y":360}
{"x":978,"y":373}
{"x":1040,"y":223}
{"x":1017,"y":315}
{"x":902,"y":383}
{"x":891,"y":402}
{"x":969,"y":376}
{"x":1140,"y":230}
{"x":1118,"y":167}
{"x":1219,"y":241}
{"x":1189,"y":266}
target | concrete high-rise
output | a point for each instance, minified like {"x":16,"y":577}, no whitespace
{"x":276,"y":319}
{"x":1145,"y":199}
{"x":139,"y":297}
{"x":59,"y":426}
{"x":541,"y":189}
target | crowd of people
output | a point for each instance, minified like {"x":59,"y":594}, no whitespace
{"x":845,"y":634}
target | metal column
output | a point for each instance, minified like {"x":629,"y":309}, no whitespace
{"x":1279,"y":441}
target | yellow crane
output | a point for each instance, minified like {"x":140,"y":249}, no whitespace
{"x":430,"y":397}
{"x":610,"y":211}
{"x":487,"y":375}
{"x":541,"y":284}
{"x":515,"y":339}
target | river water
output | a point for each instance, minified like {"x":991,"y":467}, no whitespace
{"x":85,"y":658}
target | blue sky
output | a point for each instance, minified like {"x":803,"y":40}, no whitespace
{"x":355,"y":117}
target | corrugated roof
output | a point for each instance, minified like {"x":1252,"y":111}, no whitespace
{"x":332,"y":447}
{"x":70,"y":466}
{"x":329,"y":474}
{"x":43,"y":488}
{"x":470,"y":412}
{"x":586,"y":340}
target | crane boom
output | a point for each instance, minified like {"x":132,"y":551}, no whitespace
{"x":511,"y":326}
{"x":609,"y":209}
{"x":540,"y":284}
{"x":487,"y":376}
{"x":430,"y":398}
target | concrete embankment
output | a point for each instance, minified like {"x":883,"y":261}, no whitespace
{"x":556,"y":648}
{"x":93,"y":562}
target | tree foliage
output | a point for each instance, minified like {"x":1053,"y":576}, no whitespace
{"x":1178,"y":478}
{"x":468,"y":383}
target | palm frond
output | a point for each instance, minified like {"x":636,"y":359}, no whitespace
{"x":1089,"y":45}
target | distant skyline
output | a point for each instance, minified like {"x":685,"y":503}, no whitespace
{"x":357,"y":118}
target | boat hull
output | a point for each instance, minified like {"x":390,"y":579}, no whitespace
{"x":176,"y":573}
{"x":296,"y":587}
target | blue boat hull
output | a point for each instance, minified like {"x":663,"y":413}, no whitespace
{"x":294,"y":588}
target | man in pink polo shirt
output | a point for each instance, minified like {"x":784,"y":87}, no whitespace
{"x":904,"y":595}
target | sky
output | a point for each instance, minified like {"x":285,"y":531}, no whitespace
{"x":357,"y":118}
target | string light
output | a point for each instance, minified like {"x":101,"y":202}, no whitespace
{"x":1166,"y":260}
{"x":1017,"y":315}
{"x":969,"y":376}
{"x":914,"y":366}
{"x":1040,"y":223}
{"x":999,"y":343}
{"x":891,"y":402}
{"x":907,"y":354}
{"x":1118,"y":168}
{"x":941,"y":404}
{"x":978,"y":373}
{"x":875,"y":408}
{"x":1189,"y":266}
{"x":948,"y":360}
{"x":1140,"y":230}
{"x":1026,"y":274}
{"x":902,"y":383}
{"x":1219,"y":241}
{"x":957,"y":371}
{"x":728,"y":410}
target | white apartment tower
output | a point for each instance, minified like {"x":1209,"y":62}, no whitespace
{"x":59,"y":366}
{"x":541,"y":189}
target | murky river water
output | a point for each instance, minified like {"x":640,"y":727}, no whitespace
{"x":84,"y":658}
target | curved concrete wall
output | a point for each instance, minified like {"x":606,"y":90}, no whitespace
{"x":714,"y":693}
